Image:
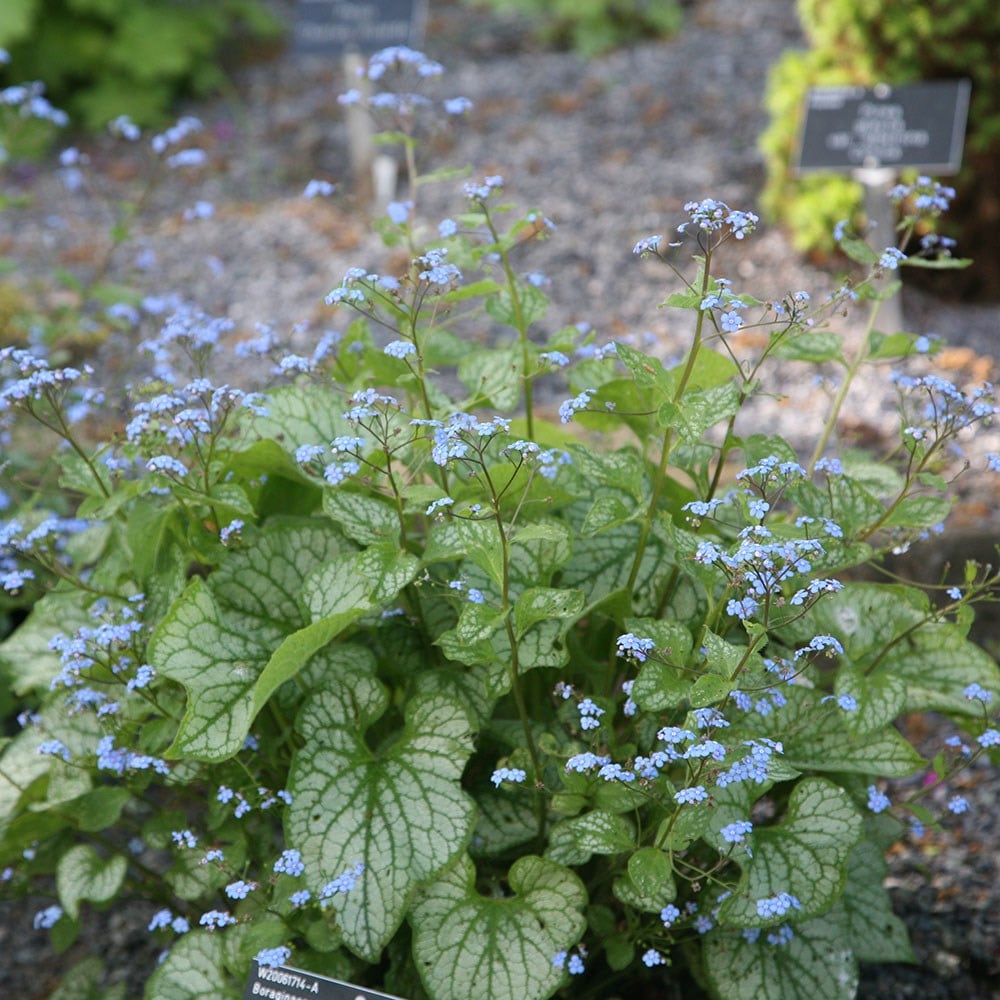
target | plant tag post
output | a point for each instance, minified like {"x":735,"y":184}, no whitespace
{"x":352,"y":30}
{"x":873,"y":133}
{"x":295,"y":984}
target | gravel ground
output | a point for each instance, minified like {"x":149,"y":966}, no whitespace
{"x":609,"y":149}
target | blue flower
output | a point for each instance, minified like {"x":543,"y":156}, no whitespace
{"x":159,"y":920}
{"x":318,"y":189}
{"x":440,"y":504}
{"x":586,"y":761}
{"x":479,"y":193}
{"x":976,"y":692}
{"x":229,"y":531}
{"x":615,"y":772}
{"x":513,"y":774}
{"x":691,"y":796}
{"x":780,"y":937}
{"x":777,"y":905}
{"x":125,"y":128}
{"x":821,"y":644}
{"x":344,"y":882}
{"x":958,"y":805}
{"x":337,"y":472}
{"x":290,"y":863}
{"x":273,"y":957}
{"x":702,"y":508}
{"x":571,"y":406}
{"x":55,"y":748}
{"x":743,"y":608}
{"x":673,"y":734}
{"x":846,"y":702}
{"x":634,"y":646}
{"x":399,"y":349}
{"x":707,"y":748}
{"x":167,"y":465}
{"x":458,"y":105}
{"x":669,"y":914}
{"x":731,"y":321}
{"x":399,"y":211}
{"x":216,"y":919}
{"x":47,"y":918}
{"x":754,"y":766}
{"x":187,"y":158}
{"x":890,"y":258}
{"x":200,"y":210}
{"x":877,"y":801}
{"x":652,"y":958}
{"x":736,"y":833}
{"x":648,"y":245}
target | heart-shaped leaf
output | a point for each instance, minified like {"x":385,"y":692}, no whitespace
{"x":805,"y":855}
{"x":399,"y":810}
{"x":467,"y":945}
{"x":82,"y":874}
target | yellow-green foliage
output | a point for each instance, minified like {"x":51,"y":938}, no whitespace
{"x":870,"y":41}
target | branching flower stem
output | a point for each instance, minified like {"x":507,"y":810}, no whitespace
{"x":668,"y":437}
{"x":519,"y":322}
{"x":514,"y":666}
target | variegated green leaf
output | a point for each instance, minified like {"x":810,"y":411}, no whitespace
{"x":220,"y":634}
{"x":467,"y":945}
{"x":805,"y":855}
{"x":816,"y":964}
{"x":83,"y":875}
{"x":399,"y":810}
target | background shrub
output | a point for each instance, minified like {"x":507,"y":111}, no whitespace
{"x":592,"y":26}
{"x":104,"y":58}
{"x":863,"y":42}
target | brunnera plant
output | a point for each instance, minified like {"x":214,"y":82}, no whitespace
{"x":388,"y":673}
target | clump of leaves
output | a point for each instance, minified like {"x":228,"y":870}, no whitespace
{"x":594,"y":26}
{"x":391,"y":674}
{"x":104,"y":58}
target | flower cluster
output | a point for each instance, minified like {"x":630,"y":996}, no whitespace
{"x":399,"y":109}
{"x":927,"y":197}
{"x":27,"y":380}
{"x":716,"y":217}
{"x":942,"y":410}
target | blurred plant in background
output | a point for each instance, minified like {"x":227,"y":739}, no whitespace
{"x":104,"y":58}
{"x":594,"y":26}
{"x":863,"y":42}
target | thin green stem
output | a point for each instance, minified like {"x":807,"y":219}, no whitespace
{"x":845,"y":387}
{"x":519,"y":324}
{"x":61,"y":427}
{"x":514,"y":664}
{"x":863,"y":354}
{"x":668,"y":436}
